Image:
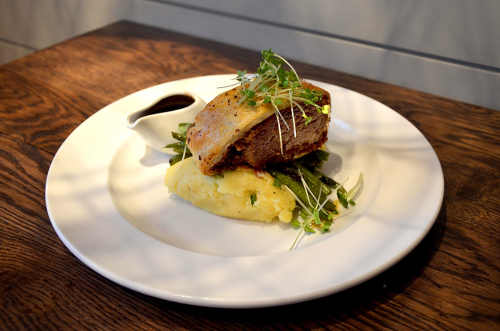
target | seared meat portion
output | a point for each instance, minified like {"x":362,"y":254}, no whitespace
{"x":255,"y":139}
{"x":262,"y":146}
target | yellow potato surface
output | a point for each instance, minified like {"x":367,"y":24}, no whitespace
{"x":229,"y":194}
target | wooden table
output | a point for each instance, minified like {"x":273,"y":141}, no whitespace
{"x":450,"y":281}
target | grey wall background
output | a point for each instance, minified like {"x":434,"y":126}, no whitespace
{"x":445,"y":47}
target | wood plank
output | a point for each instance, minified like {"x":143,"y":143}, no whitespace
{"x":450,"y":281}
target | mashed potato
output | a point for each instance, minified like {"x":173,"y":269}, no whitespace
{"x":230,"y":194}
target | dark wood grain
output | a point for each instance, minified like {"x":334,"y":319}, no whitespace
{"x":450,"y":281}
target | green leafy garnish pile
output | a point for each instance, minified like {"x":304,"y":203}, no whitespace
{"x":274,"y":84}
{"x":303,"y":179}
{"x":277,"y":83}
{"x":180,"y":147}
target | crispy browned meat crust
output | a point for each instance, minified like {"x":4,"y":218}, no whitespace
{"x":259,"y":145}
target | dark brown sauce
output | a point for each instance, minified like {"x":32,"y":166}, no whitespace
{"x":170,"y":103}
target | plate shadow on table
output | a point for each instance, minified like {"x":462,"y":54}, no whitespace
{"x":333,"y":308}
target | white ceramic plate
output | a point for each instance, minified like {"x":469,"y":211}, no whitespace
{"x":107,"y":202}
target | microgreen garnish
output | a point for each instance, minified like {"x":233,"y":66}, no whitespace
{"x":311,"y":190}
{"x":276,"y":85}
{"x":313,"y":220}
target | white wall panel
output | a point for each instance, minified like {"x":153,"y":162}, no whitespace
{"x":464,"y":30}
{"x":456,"y":81}
{"x":10,"y":51}
{"x":41,"y":23}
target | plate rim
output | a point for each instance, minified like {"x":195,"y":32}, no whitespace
{"x":245,"y":302}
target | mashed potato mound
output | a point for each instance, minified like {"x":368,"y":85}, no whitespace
{"x":229,"y":194}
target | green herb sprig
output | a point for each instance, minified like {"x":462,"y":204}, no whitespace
{"x":311,"y":189}
{"x":180,"y":147}
{"x":276,"y":85}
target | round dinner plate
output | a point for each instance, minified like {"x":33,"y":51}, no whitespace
{"x":107,"y":201}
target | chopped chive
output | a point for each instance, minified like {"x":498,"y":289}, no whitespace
{"x":342,"y":196}
{"x":295,"y":223}
{"x":253,"y":198}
